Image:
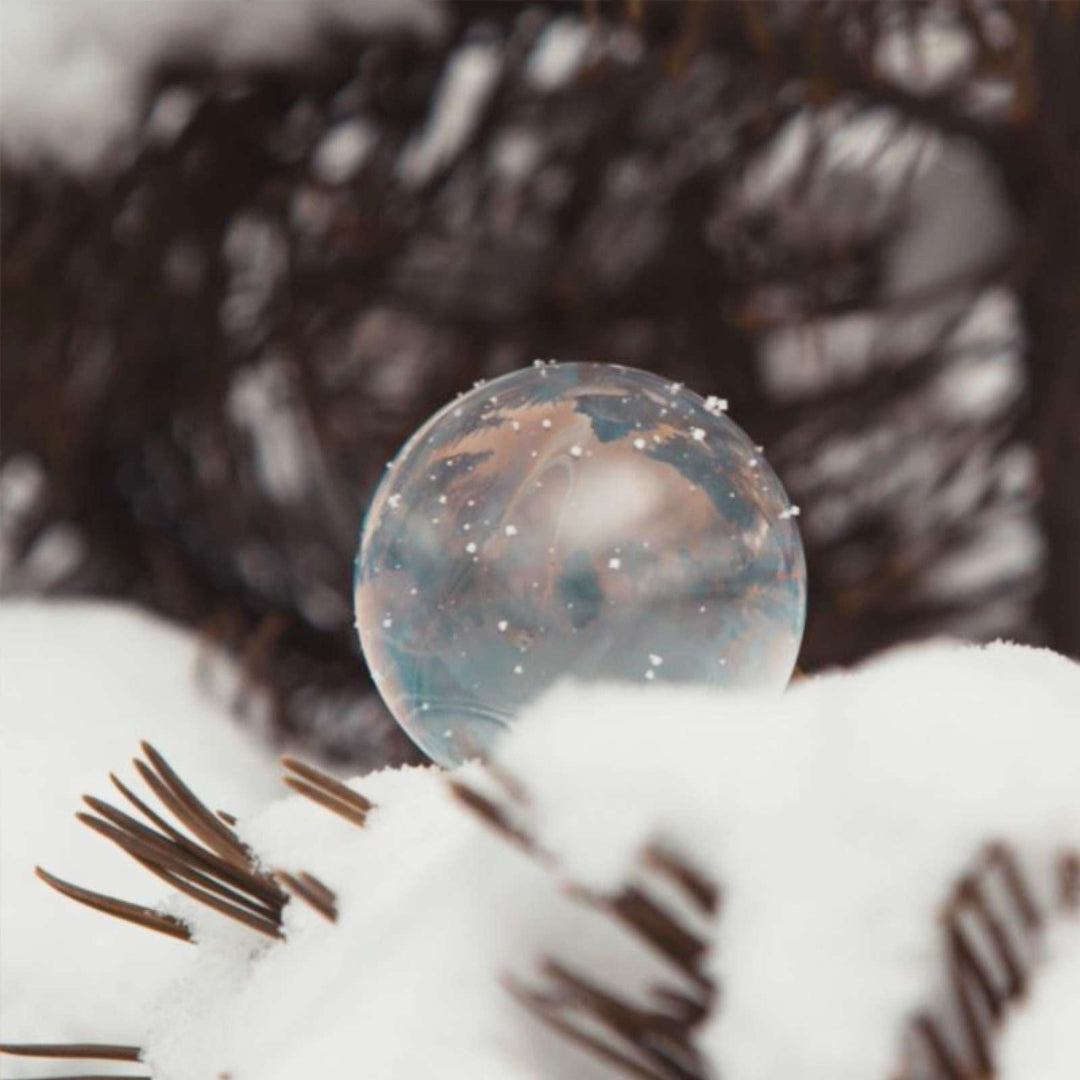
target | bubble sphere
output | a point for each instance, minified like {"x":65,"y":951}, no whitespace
{"x":583,"y":520}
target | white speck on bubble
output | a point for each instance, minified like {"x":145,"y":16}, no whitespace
{"x":518,"y":669}
{"x":790,"y":512}
{"x":502,"y":625}
{"x":614,"y":564}
{"x":516,"y":425}
{"x":442,"y":500}
{"x":470,"y":547}
{"x":639,"y":444}
{"x":387,"y":623}
{"x":650,"y":674}
{"x":698,"y":433}
{"x":716,"y":405}
{"x":545,"y":424}
{"x":576,"y":451}
{"x":511,"y":530}
{"x":655,"y":660}
{"x":675,"y":387}
{"x":394,"y":501}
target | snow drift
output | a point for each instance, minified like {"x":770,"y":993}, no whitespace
{"x":834,"y":821}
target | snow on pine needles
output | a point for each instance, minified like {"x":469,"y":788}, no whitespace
{"x":873,"y":873}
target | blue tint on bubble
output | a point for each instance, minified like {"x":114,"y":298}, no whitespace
{"x":584,"y":520}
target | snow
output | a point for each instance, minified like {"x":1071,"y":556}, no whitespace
{"x":932,"y":58}
{"x":849,"y":806}
{"x":467,"y":84}
{"x":73,"y":71}
{"x":81,"y":685}
{"x":170,"y":114}
{"x":1042,"y":1041}
{"x":835,"y":818}
{"x":558,"y":54}
{"x":343,"y":150}
{"x":516,"y":154}
{"x":835,"y":807}
{"x":957,"y":228}
{"x":1003,"y":550}
{"x":260,"y":404}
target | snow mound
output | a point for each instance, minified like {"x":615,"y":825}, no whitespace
{"x":835,"y":820}
{"x":80,"y":685}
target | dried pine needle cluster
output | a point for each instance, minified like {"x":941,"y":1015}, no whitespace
{"x":992,"y":925}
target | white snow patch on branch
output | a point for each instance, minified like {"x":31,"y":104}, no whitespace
{"x":73,"y":70}
{"x":260,"y":402}
{"x":466,"y":85}
{"x":558,"y":54}
{"x":343,"y":150}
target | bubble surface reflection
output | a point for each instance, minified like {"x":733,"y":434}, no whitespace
{"x":584,"y":520}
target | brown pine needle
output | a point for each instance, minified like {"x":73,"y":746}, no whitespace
{"x":157,"y":859}
{"x":181,"y":853}
{"x":151,"y":815}
{"x":120,"y":909}
{"x":492,"y":814}
{"x":1001,"y":856}
{"x":264,"y":924}
{"x":331,"y":784}
{"x":193,"y":812}
{"x":92,"y":1051}
{"x":318,"y":887}
{"x":97,"y":1076}
{"x":316,"y":896}
{"x":543,"y":1010}
{"x":326,"y":800}
{"x":698,"y":887}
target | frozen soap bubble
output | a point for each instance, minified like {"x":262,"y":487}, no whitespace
{"x":584,"y":520}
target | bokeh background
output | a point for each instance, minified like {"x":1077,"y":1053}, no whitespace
{"x":248,"y":248}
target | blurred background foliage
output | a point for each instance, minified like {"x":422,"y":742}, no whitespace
{"x":858,"y":222}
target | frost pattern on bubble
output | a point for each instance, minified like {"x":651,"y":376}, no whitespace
{"x":583,"y":520}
